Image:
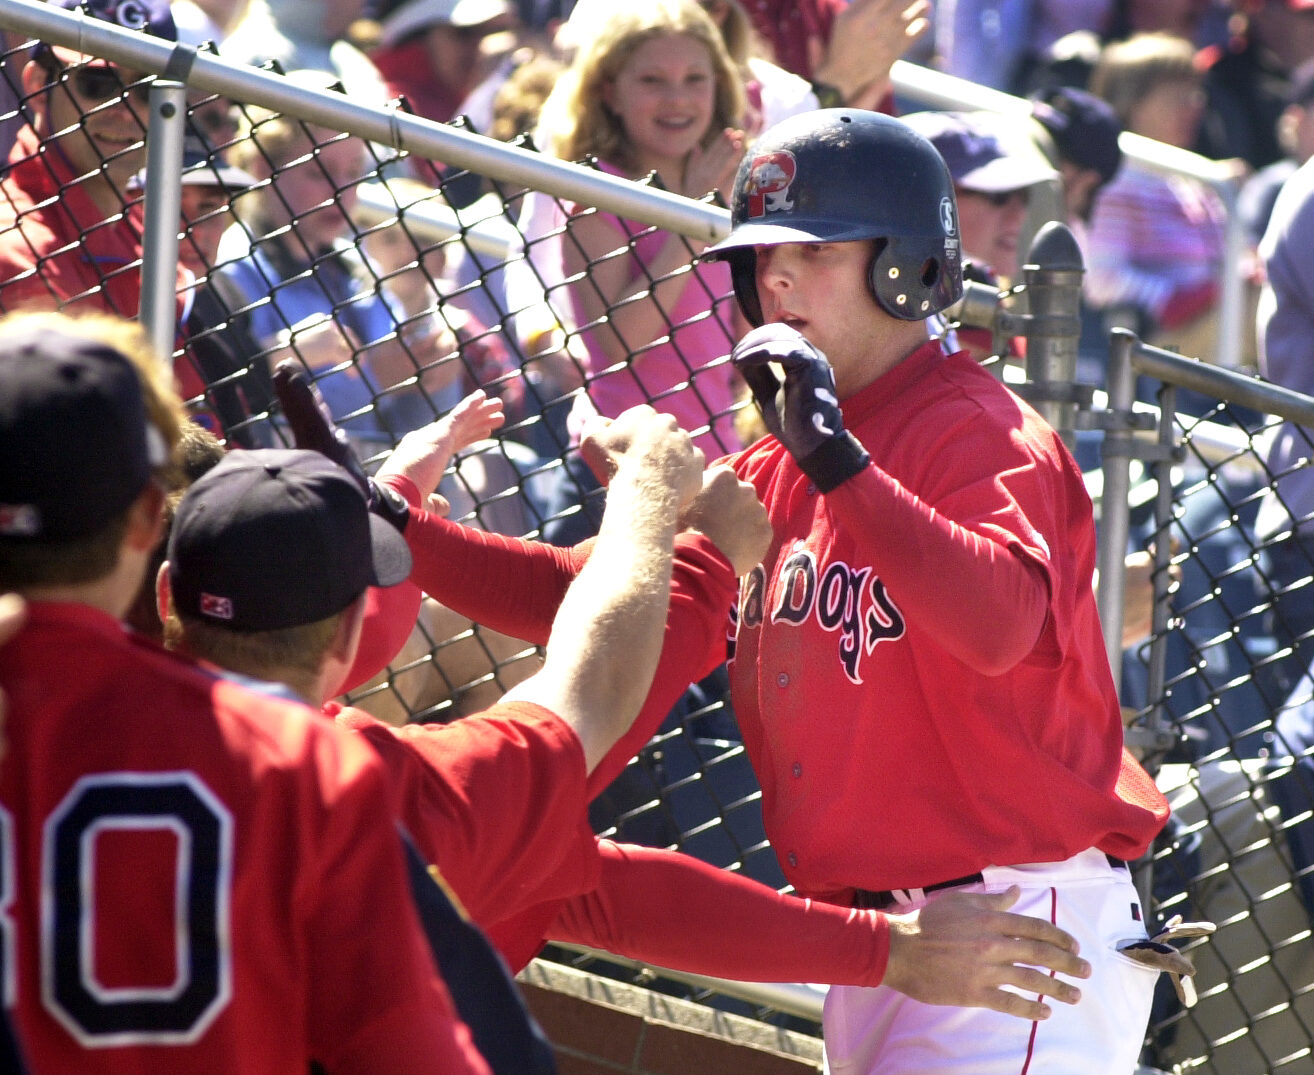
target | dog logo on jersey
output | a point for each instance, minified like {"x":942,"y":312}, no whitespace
{"x":217,"y":608}
{"x":844,"y":600}
{"x":768,"y":182}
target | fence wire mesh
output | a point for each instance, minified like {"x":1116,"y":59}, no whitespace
{"x":402,"y":285}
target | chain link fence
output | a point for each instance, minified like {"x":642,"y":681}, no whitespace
{"x":406,"y":263}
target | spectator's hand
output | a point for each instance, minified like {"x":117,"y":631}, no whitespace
{"x":866,"y":38}
{"x":729,"y":513}
{"x":964,"y":948}
{"x":804,"y":412}
{"x":642,"y":435}
{"x":713,"y":168}
{"x":424,"y":454}
{"x":319,"y":342}
{"x":13,"y":612}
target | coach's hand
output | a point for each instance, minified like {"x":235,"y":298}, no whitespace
{"x":803,"y":413}
{"x":314,"y":430}
{"x":963,"y":948}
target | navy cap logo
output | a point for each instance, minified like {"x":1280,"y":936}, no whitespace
{"x":217,"y":608}
{"x":19,"y":520}
{"x":132,"y":14}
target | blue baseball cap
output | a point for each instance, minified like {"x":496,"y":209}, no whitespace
{"x":979,"y":157}
{"x":1085,"y":128}
{"x":148,"y":16}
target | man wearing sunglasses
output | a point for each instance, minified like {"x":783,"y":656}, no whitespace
{"x":65,"y":237}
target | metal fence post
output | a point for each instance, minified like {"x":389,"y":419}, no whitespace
{"x":163,"y":208}
{"x":1053,"y":290}
{"x":1114,"y":512}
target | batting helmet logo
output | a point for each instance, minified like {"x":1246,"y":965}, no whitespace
{"x":767,"y":184}
{"x":947,"y":216}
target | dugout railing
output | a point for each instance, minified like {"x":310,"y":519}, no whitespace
{"x":1174,"y":451}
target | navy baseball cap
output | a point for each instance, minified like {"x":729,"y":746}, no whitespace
{"x":149,"y":16}
{"x":276,"y":538}
{"x":76,"y":445}
{"x":979,"y":158}
{"x":1085,"y":128}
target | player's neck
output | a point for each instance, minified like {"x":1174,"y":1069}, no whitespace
{"x":112,"y":593}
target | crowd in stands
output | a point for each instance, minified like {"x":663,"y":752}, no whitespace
{"x":415,"y":296}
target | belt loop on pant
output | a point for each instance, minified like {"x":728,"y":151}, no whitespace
{"x":883,"y":901}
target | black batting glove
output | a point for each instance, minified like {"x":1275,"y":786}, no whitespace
{"x":803,"y":413}
{"x":313,"y":429}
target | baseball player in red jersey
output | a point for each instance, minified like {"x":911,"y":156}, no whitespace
{"x":919,"y":671}
{"x":918,"y":667}
{"x":195,"y":878}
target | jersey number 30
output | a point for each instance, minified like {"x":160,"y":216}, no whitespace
{"x":98,"y":1015}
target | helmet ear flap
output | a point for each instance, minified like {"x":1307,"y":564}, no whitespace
{"x":743,"y":275}
{"x":912,"y":280}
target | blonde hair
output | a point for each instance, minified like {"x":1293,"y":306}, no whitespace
{"x":269,"y":655}
{"x":741,"y":39}
{"x":1129,"y":71}
{"x":576,"y":120}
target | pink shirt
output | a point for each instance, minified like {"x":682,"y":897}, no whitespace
{"x":686,"y":373}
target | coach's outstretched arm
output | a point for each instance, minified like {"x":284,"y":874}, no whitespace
{"x":963,"y":949}
{"x":607,"y":634}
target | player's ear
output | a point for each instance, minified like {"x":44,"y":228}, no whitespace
{"x":341,"y":653}
{"x":162,"y":592}
{"x":146,"y":519}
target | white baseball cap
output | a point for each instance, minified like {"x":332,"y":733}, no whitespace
{"x":416,"y":15}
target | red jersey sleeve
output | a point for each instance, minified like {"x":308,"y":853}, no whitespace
{"x":987,"y":600}
{"x":672,"y":910}
{"x":455,"y":563}
{"x":390,"y":614}
{"x":497,"y":801}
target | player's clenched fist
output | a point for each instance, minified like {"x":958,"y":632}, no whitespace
{"x":964,"y":948}
{"x":803,"y":413}
{"x":643,"y":437}
{"x":729,"y":513}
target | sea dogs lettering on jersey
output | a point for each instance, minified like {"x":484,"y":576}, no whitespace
{"x":851,"y":602}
